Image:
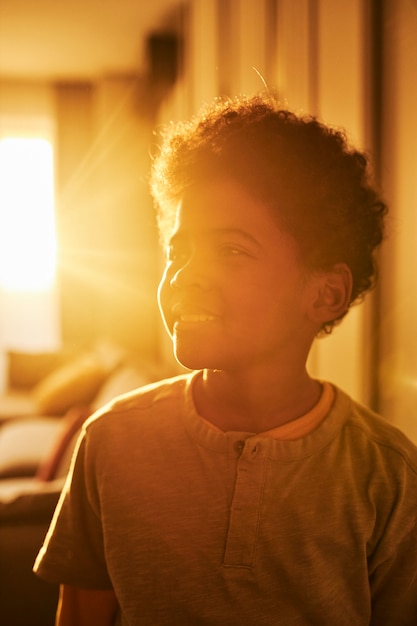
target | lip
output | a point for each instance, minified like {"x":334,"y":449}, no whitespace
{"x":192,"y":315}
{"x":195,"y":318}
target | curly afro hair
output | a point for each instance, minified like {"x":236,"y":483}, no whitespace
{"x":316,"y":185}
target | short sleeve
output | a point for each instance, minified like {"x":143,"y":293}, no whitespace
{"x":73,"y":551}
{"x":394,"y":586}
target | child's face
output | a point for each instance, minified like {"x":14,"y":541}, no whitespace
{"x":234,"y":293}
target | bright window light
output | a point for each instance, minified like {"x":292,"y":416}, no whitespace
{"x":27,"y":223}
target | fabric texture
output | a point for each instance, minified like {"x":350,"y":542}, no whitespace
{"x":192,"y":526}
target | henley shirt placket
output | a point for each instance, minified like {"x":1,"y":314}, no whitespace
{"x":245,"y":511}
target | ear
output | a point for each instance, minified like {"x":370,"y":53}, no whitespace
{"x":332,"y":294}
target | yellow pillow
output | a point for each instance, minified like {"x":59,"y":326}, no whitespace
{"x":26,"y":369}
{"x":74,"y":383}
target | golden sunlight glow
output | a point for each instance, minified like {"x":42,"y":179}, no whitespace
{"x":27,"y":225}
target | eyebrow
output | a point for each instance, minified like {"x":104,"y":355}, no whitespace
{"x":215,"y":232}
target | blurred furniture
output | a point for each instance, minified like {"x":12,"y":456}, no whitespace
{"x":35,"y":453}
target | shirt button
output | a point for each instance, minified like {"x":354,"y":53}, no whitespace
{"x":239,"y":445}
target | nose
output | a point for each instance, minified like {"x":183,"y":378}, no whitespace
{"x":192,"y":274}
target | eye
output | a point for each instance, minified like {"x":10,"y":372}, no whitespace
{"x":230,"y":250}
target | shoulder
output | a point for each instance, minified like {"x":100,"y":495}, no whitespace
{"x":167,"y":390}
{"x":144,"y":421}
{"x":164,"y":397}
{"x":372,"y":431}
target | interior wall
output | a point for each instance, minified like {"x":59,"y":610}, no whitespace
{"x":126,"y":239}
{"x":108,"y":258}
{"x":398,"y":363}
{"x":26,"y":99}
{"x":74,"y":190}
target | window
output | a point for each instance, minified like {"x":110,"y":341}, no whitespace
{"x":29,"y":311}
{"x":27,"y":225}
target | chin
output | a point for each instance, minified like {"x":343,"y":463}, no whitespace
{"x":200,"y":360}
{"x":196,"y":359}
{"x":191,"y":362}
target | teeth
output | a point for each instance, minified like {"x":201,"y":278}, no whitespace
{"x":196,"y":317}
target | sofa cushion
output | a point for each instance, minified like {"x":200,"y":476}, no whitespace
{"x":17,"y":404}
{"x":25,"y":442}
{"x":26,"y":369}
{"x":74,"y":383}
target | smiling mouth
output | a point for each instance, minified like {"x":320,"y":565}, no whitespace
{"x":192,"y":318}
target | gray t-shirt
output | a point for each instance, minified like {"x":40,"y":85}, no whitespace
{"x":192,"y":526}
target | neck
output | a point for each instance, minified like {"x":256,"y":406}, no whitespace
{"x":247,"y":403}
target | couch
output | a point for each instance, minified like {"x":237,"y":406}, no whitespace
{"x":36,"y":447}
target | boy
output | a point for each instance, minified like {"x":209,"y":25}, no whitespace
{"x":246,"y":492}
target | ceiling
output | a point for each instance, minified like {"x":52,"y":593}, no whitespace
{"x":76,"y":39}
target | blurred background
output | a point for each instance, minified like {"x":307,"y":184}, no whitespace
{"x":84,"y":86}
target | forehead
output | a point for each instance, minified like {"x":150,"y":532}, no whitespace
{"x":223,"y":204}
